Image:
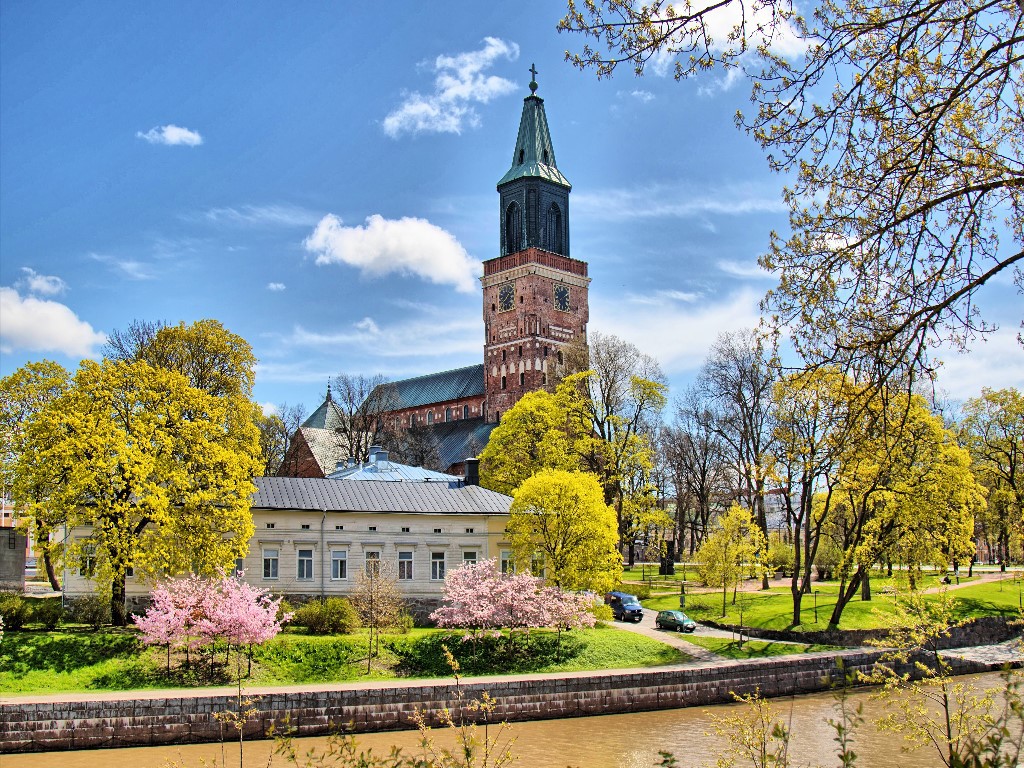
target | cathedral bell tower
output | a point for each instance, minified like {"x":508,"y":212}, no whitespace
{"x":535,"y":295}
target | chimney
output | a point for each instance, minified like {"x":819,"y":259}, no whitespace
{"x":340,"y":466}
{"x":472,"y":471}
{"x":372,"y":453}
{"x":351,"y":461}
{"x":382,"y":455}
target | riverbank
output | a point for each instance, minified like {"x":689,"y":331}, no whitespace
{"x":78,"y":721}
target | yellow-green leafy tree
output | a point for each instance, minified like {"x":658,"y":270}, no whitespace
{"x":157,"y":472}
{"x":901,"y":128}
{"x":813,"y":423}
{"x":542,"y":430}
{"x":904,"y":493}
{"x":23,"y":395}
{"x":735,"y":548}
{"x":993,"y":432}
{"x":561,"y":518}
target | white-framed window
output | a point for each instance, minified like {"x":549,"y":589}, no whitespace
{"x":239,"y":567}
{"x":508,"y":565}
{"x":437,"y":530}
{"x":304,"y":565}
{"x":405,"y":529}
{"x":373,"y":563}
{"x":305,"y":526}
{"x":87,"y":561}
{"x":469,"y":558}
{"x":469,"y":530}
{"x":405,"y":566}
{"x":270,"y":561}
{"x":339,"y":564}
{"x":437,"y":566}
{"x":430,"y":417}
{"x":271,"y":525}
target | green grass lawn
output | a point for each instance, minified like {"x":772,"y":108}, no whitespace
{"x":773,"y":609}
{"x":83,"y":660}
{"x":751,"y":649}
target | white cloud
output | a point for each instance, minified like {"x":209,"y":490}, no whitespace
{"x":269,"y":409}
{"x":459,"y":83}
{"x":44,"y":285}
{"x":780,"y":38}
{"x":749,"y":270}
{"x":395,"y":347}
{"x":660,"y":298}
{"x":678,"y":334}
{"x":678,"y":201}
{"x":171,"y":135}
{"x":130,"y":268}
{"x":642,"y":96}
{"x":995,"y":361}
{"x":275,"y":287}
{"x":263,"y":215}
{"x":40,"y":325}
{"x":403,"y":246}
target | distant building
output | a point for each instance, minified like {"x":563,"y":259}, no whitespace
{"x":13,"y":546}
{"x":315,"y":535}
{"x":535,"y":301}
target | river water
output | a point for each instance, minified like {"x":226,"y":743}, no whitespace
{"x":608,"y":741}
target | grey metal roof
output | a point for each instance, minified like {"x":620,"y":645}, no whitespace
{"x":390,"y":471}
{"x":438,"y":387}
{"x":460,"y":439}
{"x":533,"y":146}
{"x":309,"y":493}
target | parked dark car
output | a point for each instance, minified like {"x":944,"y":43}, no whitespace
{"x":625,"y":607}
{"x":675,"y":620}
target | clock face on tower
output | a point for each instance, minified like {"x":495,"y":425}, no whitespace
{"x":506,"y":296}
{"x":561,"y":297}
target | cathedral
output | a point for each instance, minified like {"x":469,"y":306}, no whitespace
{"x":534,"y":303}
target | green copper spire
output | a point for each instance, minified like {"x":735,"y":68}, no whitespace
{"x":534,"y":157}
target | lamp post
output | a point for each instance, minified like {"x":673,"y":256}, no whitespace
{"x":815,"y":606}
{"x":682,"y":595}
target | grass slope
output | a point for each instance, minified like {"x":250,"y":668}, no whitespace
{"x":84,"y":660}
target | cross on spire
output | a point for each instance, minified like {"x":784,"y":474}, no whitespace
{"x":533,"y":81}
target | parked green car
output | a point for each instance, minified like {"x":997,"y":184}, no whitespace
{"x":675,"y":620}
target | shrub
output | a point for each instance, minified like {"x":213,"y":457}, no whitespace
{"x":404,"y":623}
{"x":602,"y":612}
{"x":780,"y":554}
{"x":334,"y":616}
{"x":92,"y":610}
{"x":285,"y":612}
{"x":15,"y":610}
{"x":49,"y":612}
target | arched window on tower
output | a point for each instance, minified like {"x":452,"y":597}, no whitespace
{"x":553,"y":229}
{"x":513,"y":228}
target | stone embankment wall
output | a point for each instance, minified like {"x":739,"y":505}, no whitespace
{"x":142,"y":721}
{"x":986,"y":630}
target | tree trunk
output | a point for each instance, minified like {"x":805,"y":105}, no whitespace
{"x":632,"y":553}
{"x":865,"y":588}
{"x":845,"y":596}
{"x":118,"y":614}
{"x":51,"y":574}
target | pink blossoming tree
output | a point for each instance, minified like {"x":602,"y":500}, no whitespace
{"x":193,"y":612}
{"x":481,"y":598}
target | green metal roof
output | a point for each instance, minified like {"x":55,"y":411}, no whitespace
{"x":439,"y":387}
{"x":327,"y":416}
{"x":534,"y":156}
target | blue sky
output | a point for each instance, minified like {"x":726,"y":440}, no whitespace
{"x":320,"y":177}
